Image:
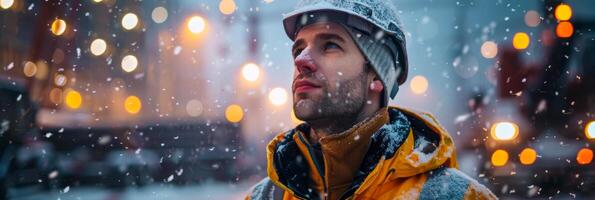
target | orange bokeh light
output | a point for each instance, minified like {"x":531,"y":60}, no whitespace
{"x":564,"y":29}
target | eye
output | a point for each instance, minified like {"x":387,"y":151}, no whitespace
{"x":331,"y":46}
{"x":297,"y":52}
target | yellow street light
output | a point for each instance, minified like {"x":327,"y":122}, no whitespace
{"x":563,"y":12}
{"x":528,"y":156}
{"x":521,"y":41}
{"x":132,"y":104}
{"x":6,"y":4}
{"x":234,"y":113}
{"x":499,"y":158}
{"x":58,"y":27}
{"x":73,"y":99}
{"x":590,"y":130}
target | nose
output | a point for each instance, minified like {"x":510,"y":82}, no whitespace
{"x":304,"y":62}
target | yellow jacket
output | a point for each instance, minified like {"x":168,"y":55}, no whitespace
{"x":396,"y":154}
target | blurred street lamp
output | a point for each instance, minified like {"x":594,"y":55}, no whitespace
{"x":528,"y":156}
{"x":564,"y":30}
{"x":98,"y":46}
{"x":489,"y":49}
{"x":129,"y":21}
{"x":6,"y":4}
{"x":251,"y":72}
{"x":58,"y":27}
{"x":30,"y":69}
{"x":419,"y":84}
{"x":278,"y":96}
{"x":227,"y":7}
{"x":499,"y":158}
{"x":196,"y":24}
{"x":234,"y":113}
{"x":159,"y":15}
{"x":504,"y":131}
{"x":520,"y":40}
{"x":129,"y":63}
{"x":584,"y":156}
{"x":563,"y":12}
{"x":60,"y":80}
{"x":73,"y":99}
{"x":132,"y":104}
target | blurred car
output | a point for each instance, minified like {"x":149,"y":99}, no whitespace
{"x":538,"y":128}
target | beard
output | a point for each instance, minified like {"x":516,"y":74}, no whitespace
{"x":346,"y":100}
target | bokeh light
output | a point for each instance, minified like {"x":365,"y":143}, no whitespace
{"x":278,"y":96}
{"x":60,"y":80}
{"x":73,"y":99}
{"x":419,"y":84}
{"x":129,"y":63}
{"x":30,"y":69}
{"x":528,"y":156}
{"x":196,"y":24}
{"x":590,"y":130}
{"x":489,"y":49}
{"x":499,"y":158}
{"x":520,"y":40}
{"x":159,"y":15}
{"x":194,"y":108}
{"x":129,"y":21}
{"x":6,"y":4}
{"x":234,"y":113}
{"x":564,"y":29}
{"x":132,"y":104}
{"x":532,"y":18}
{"x":584,"y":156}
{"x":98,"y":47}
{"x":251,"y":72}
{"x":563,"y":12}
{"x":504,"y":131}
{"x":56,"y":95}
{"x":227,"y":7}
{"x":58,"y":27}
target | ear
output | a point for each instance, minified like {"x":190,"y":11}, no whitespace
{"x":376,"y":84}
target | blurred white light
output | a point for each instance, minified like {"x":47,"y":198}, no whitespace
{"x":419,"y":84}
{"x":129,"y":63}
{"x":251,"y":72}
{"x":159,"y":15}
{"x":278,"y":96}
{"x":129,"y":21}
{"x":590,"y":130}
{"x":196,"y":24}
{"x":489,"y":49}
{"x":504,"y":131}
{"x":98,"y":47}
{"x":194,"y":108}
{"x":5,"y":4}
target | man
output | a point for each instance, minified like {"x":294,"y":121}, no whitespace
{"x":349,"y":58}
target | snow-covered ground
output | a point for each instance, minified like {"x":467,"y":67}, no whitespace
{"x":166,"y":191}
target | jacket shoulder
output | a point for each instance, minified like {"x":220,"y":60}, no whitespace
{"x":450,"y":183}
{"x":265,"y":190}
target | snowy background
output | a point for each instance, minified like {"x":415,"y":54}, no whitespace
{"x":158,"y":99}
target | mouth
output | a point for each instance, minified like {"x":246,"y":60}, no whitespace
{"x":303,"y":86}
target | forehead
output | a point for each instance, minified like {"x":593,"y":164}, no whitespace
{"x":322,"y":27}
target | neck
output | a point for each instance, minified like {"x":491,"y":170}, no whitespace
{"x":329,"y":126}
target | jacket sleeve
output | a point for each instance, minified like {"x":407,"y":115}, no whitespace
{"x":478,"y":191}
{"x":265,"y":190}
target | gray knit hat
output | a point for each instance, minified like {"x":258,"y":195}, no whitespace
{"x":372,"y":24}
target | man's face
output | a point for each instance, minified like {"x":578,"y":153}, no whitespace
{"x":330,"y":78}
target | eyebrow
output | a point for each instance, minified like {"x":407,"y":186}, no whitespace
{"x":322,"y":36}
